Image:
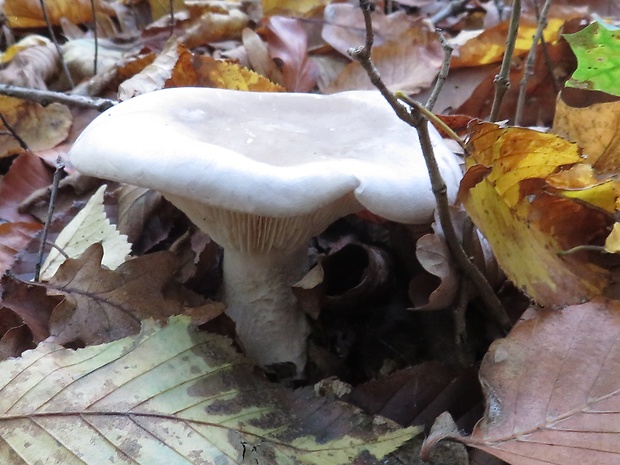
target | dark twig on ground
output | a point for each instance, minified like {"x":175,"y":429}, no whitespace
{"x":413,"y":117}
{"x":45,"y":97}
{"x":60,"y":166}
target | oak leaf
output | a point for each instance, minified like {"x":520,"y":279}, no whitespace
{"x":102,"y":305}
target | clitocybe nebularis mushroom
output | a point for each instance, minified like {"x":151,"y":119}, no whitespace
{"x":262,"y":173}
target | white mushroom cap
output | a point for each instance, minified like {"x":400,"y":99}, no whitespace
{"x":262,"y":173}
{"x":269,"y":154}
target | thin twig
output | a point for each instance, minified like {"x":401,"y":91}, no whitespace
{"x":53,"y":37}
{"x":95,"y":35}
{"x":171,"y":5}
{"x":502,"y":80}
{"x":528,"y":72}
{"x":60,"y":166}
{"x":545,"y":49}
{"x":443,"y":73}
{"x":13,"y":133}
{"x":45,"y":97}
{"x":414,"y":118}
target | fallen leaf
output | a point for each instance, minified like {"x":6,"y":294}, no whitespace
{"x":38,"y":126}
{"x":298,"y":8}
{"x":31,"y":304}
{"x":32,"y":66}
{"x":288,"y":43}
{"x":489,"y":46}
{"x":26,"y":174}
{"x":90,"y":226}
{"x":135,"y":206}
{"x":169,"y":395}
{"x":28,"y":13}
{"x":258,"y":56}
{"x":102,"y":305}
{"x":597,"y":48}
{"x":409,"y":63}
{"x":595,"y":128}
{"x":214,"y":27}
{"x":525,"y":225}
{"x":13,"y":238}
{"x":551,"y":388}
{"x":229,"y":75}
{"x":154,"y":75}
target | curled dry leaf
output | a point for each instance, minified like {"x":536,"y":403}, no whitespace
{"x":288,"y":43}
{"x":214,"y":27}
{"x":552,"y":389}
{"x":135,"y":206}
{"x":409,"y":63}
{"x":153,"y":76}
{"x":258,"y":56}
{"x":504,"y":192}
{"x":102,"y":305}
{"x":32,"y":66}
{"x":40,"y":127}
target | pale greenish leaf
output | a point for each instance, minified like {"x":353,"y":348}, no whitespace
{"x":90,"y":226}
{"x":173,"y":396}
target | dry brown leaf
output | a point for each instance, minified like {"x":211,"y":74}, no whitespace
{"x":26,"y":174}
{"x":102,"y":305}
{"x":135,"y":206}
{"x":13,"y":238}
{"x":595,"y":128}
{"x":31,"y":303}
{"x":344,"y":26}
{"x":40,"y":127}
{"x":28,"y":13}
{"x":258,"y":56}
{"x":409,"y":63}
{"x":288,"y":43}
{"x":552,"y":389}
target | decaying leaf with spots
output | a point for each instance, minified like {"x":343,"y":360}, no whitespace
{"x":174,"y":395}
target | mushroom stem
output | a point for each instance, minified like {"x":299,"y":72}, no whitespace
{"x":260,"y":300}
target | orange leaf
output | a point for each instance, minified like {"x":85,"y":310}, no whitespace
{"x":28,"y":13}
{"x":229,"y":75}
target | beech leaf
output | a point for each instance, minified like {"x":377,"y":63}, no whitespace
{"x":90,"y":226}
{"x":173,"y":395}
{"x":552,"y":388}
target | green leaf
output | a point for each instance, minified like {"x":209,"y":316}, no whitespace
{"x":176,"y":396}
{"x":597,"y":49}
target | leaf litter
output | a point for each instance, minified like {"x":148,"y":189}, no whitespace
{"x":547,"y":204}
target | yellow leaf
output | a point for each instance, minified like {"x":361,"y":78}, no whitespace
{"x":90,"y":226}
{"x":228,"y":75}
{"x":490,"y":45}
{"x":526,"y":225}
{"x":612,"y":243}
{"x":40,"y":127}
{"x":291,"y":7}
{"x":596,"y":128}
{"x":28,"y":13}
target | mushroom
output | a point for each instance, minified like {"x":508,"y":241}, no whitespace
{"x":262,"y":173}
